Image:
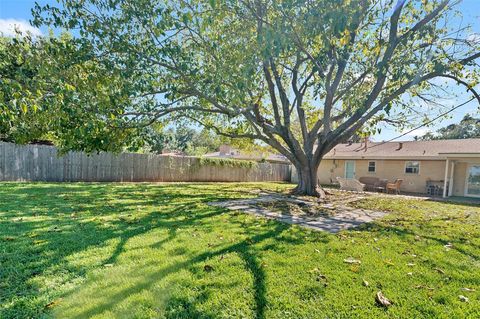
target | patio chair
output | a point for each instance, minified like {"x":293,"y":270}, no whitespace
{"x":395,"y":186}
{"x":350,"y":184}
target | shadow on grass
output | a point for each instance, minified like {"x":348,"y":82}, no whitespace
{"x":242,"y":249}
{"x":43,"y":224}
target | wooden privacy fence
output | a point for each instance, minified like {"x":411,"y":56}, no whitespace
{"x":42,"y":163}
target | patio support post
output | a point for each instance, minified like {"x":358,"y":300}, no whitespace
{"x":445,"y":180}
{"x":450,"y":184}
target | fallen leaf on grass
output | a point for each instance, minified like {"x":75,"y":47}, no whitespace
{"x":365,"y":283}
{"x":351,"y":260}
{"x":207,"y":268}
{"x":389,"y":262}
{"x":321,"y":277}
{"x":382,"y":300}
{"x":51,"y":304}
{"x":463,"y":298}
{"x":439,"y":270}
{"x":422,"y":286}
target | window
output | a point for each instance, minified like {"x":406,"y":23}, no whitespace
{"x":473,"y":181}
{"x":412,"y":167}
{"x":371,"y":167}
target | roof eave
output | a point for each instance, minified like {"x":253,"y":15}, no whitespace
{"x":373,"y":157}
{"x":453,"y":154}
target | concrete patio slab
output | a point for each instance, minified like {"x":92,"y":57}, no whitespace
{"x":341,"y":217}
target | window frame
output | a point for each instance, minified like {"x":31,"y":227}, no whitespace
{"x":412,"y":173}
{"x":374,"y":167}
{"x":467,"y":175}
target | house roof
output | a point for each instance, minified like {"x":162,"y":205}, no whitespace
{"x":437,"y":149}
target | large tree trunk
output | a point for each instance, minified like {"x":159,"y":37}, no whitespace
{"x":308,"y":181}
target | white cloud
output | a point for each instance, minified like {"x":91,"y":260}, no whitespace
{"x":418,"y":132}
{"x":8,"y":27}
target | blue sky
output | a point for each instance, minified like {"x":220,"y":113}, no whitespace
{"x":18,"y":12}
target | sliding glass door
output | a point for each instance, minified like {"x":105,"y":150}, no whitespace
{"x":473,"y":181}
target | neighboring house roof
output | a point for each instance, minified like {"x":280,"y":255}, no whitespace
{"x":436,"y":149}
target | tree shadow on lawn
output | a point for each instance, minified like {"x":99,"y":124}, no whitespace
{"x":38,"y":231}
{"x":41,"y":247}
{"x":94,"y":195}
{"x":243,"y":249}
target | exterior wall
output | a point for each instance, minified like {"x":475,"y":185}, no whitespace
{"x":459,"y":175}
{"x":392,"y":169}
{"x":329,"y":170}
{"x":387,"y":169}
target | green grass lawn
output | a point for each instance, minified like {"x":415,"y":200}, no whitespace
{"x":159,"y":251}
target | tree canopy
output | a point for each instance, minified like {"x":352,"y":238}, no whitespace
{"x":54,"y":88}
{"x":184,"y":139}
{"x":300,"y":76}
{"x":468,"y":127}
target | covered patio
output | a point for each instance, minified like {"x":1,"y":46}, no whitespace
{"x":462,"y":174}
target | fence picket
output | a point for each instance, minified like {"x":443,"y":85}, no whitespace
{"x":43,"y":163}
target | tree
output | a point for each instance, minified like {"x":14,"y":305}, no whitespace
{"x":468,"y":127}
{"x":183,"y":139}
{"x":54,"y":88}
{"x":300,"y":76}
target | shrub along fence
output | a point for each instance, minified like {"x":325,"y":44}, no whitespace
{"x":44,"y":163}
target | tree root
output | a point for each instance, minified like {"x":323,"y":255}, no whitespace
{"x":318,"y":192}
